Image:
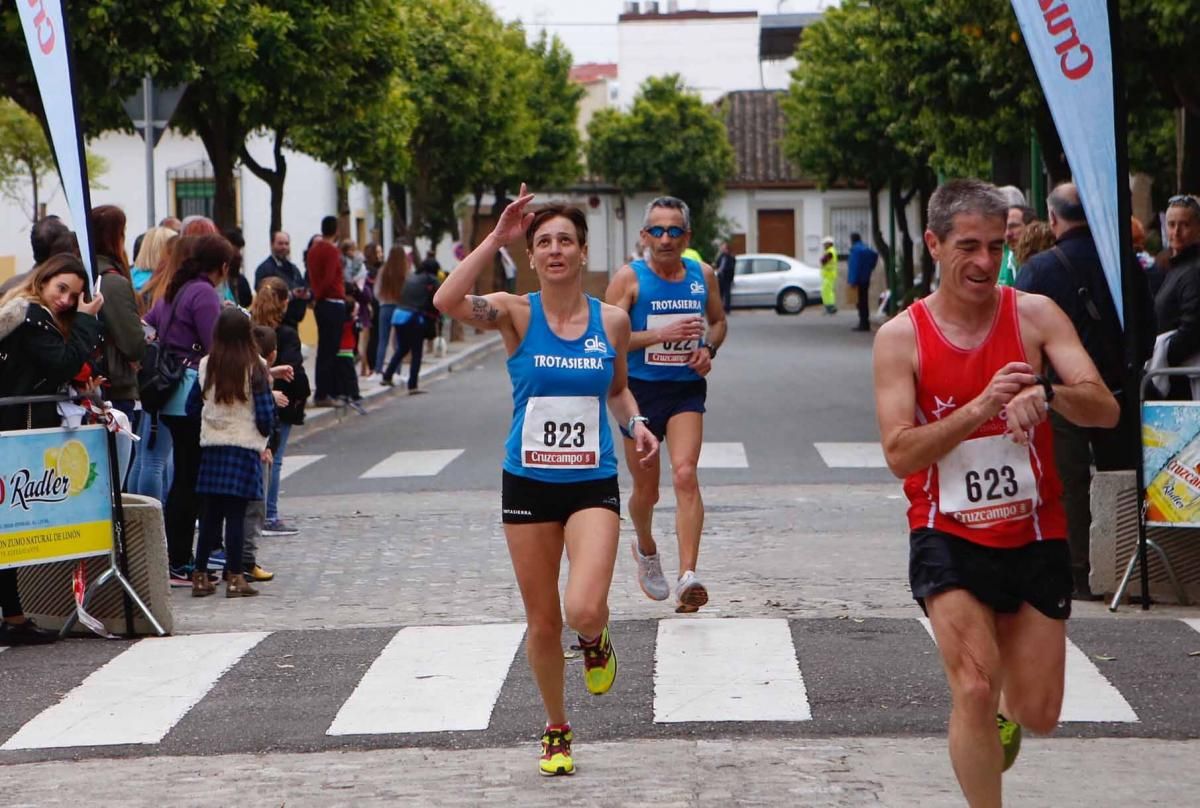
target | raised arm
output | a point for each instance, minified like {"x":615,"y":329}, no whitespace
{"x":455,"y":296}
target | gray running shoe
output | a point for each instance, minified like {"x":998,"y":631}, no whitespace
{"x":690,"y":594}
{"x":650,"y":575}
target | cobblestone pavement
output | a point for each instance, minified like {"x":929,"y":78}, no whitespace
{"x":847,"y":773}
{"x":440,"y":558}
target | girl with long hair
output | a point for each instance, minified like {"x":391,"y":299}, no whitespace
{"x":233,"y":402}
{"x":48,"y":329}
{"x":566,"y":361}
{"x":389,"y":287}
{"x":271,"y":309}
{"x":156,"y":246}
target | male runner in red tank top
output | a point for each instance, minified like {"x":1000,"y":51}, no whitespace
{"x":962,"y":406}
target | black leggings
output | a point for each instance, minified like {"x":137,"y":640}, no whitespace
{"x":410,"y":337}
{"x":218,"y":509}
{"x":10,"y":601}
{"x":179,"y":514}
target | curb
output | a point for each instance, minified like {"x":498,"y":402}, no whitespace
{"x":318,"y":419}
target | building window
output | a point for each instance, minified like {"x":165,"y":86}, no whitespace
{"x":844,"y":221}
{"x":194,"y":197}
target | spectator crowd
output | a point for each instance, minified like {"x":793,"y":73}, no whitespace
{"x":201,"y":365}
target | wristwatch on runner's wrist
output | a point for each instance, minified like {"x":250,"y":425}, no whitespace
{"x":634,"y":421}
{"x":1047,"y":387}
{"x":712,"y":350}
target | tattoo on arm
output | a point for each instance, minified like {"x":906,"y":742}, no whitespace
{"x":481,"y":309}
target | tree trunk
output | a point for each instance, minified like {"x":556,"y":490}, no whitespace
{"x":1052,"y":149}
{"x":1188,"y":140}
{"x":884,"y":249}
{"x":926,"y":183}
{"x":274,"y":178}
{"x":221,"y":144}
{"x":345,"y":226}
{"x":900,"y":208}
{"x":398,"y":201}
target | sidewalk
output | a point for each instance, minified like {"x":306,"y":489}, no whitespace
{"x":473,"y":347}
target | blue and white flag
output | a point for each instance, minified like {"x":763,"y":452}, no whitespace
{"x":1071,"y":46}
{"x":46,"y":36}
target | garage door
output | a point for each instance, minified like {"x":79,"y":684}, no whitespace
{"x":777,"y":231}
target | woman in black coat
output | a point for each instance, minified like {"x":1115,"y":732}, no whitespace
{"x":48,"y":331}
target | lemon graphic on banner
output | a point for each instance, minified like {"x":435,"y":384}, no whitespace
{"x":75,"y":465}
{"x":50,"y":458}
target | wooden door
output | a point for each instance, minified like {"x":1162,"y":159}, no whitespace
{"x":777,"y":232}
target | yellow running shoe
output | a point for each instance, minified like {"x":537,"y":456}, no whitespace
{"x":556,"y":751}
{"x":1010,"y":740}
{"x":599,"y":663}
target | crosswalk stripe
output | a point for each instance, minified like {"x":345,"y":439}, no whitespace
{"x":294,"y":463}
{"x":727,"y":670}
{"x":723,"y":456}
{"x":1194,"y":622}
{"x":412,"y":464}
{"x":139,"y":695}
{"x":852,"y":455}
{"x":1088,"y":696}
{"x":432,"y":679}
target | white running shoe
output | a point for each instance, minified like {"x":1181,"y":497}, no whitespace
{"x":650,"y":575}
{"x":690,"y":594}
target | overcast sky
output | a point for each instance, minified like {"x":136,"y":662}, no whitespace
{"x":589,"y":27}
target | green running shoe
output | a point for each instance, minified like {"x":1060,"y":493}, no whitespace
{"x":599,"y":663}
{"x":1010,"y":740}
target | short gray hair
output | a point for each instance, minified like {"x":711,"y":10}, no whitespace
{"x":1065,"y":202}
{"x":672,"y":202}
{"x":964,"y":196}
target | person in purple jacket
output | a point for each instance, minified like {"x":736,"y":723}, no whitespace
{"x":184,"y":320}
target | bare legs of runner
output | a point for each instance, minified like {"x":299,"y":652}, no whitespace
{"x":590,"y":538}
{"x":988,"y":657}
{"x":685,"y":434}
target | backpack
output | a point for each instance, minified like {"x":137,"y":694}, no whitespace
{"x":1103,"y":340}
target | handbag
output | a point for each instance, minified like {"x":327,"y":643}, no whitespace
{"x":161,"y":371}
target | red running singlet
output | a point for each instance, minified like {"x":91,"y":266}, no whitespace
{"x":988,"y":490}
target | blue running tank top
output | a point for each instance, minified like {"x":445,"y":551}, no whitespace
{"x":560,"y":431}
{"x":659,"y":303}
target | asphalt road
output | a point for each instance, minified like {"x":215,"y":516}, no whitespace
{"x":779,"y":386}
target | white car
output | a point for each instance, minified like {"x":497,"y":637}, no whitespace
{"x":774,"y":280}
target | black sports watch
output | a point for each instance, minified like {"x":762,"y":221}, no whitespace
{"x":1047,"y":387}
{"x":712,"y":350}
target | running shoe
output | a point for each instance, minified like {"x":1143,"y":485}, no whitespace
{"x":277,"y":527}
{"x":181,"y":576}
{"x":650,"y":575}
{"x":690,"y":594}
{"x":357,"y":406}
{"x":1010,"y":740}
{"x":556,"y":751}
{"x":599,"y":663}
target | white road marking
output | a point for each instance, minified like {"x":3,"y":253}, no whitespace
{"x":723,"y":456}
{"x":412,"y":464}
{"x":139,"y":695}
{"x":1194,"y":622}
{"x":727,"y":670}
{"x":293,"y":463}
{"x":1088,"y":696}
{"x":432,"y":679}
{"x":852,"y":455}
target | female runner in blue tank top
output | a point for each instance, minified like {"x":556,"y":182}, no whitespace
{"x":566,"y":359}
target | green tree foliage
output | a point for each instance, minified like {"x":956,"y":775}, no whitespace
{"x":26,"y":159}
{"x":273,"y":66}
{"x":668,"y":142}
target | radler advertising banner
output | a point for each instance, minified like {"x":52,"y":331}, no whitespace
{"x":55,"y":495}
{"x":1171,"y":462}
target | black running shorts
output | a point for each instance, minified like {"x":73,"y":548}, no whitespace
{"x":525,"y":501}
{"x":1038,"y":573}
{"x":661,"y":401}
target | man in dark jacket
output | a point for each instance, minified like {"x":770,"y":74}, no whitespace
{"x":726,"y":264}
{"x":860,"y":265}
{"x":1177,"y":304}
{"x":1071,"y":275}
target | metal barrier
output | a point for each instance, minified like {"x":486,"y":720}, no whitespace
{"x":118,"y":566}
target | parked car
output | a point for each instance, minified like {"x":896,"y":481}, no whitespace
{"x":775,"y":280}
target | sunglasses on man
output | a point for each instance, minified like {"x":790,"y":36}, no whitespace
{"x":674,"y":231}
{"x":1185,"y":200}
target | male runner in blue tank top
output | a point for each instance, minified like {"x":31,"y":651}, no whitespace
{"x":670,"y":300}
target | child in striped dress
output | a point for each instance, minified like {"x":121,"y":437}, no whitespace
{"x":233,"y":399}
